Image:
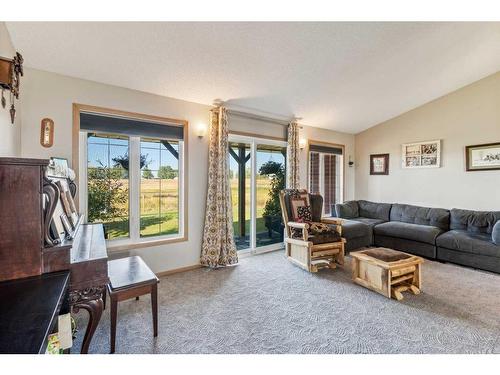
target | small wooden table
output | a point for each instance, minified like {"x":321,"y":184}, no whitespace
{"x":130,"y":278}
{"x":386,"y":271}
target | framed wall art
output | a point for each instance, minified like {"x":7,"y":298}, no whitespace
{"x":484,"y":157}
{"x":379,"y":164}
{"x":422,"y":154}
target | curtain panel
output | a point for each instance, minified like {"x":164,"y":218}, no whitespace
{"x":218,"y":247}
{"x":292,"y":153}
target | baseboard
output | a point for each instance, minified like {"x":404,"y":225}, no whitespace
{"x":178,"y":270}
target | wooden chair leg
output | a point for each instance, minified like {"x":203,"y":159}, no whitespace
{"x":154,"y":307}
{"x":114,"y":313}
{"x":137,"y":298}
{"x":104,"y":294}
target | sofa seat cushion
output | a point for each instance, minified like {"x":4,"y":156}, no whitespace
{"x":467,"y":242}
{"x":414,"y":232}
{"x":355,"y":229}
{"x":368,"y":221}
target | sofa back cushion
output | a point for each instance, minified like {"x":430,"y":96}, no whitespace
{"x":474,"y":221}
{"x":347,"y":210}
{"x":436,"y":217}
{"x":374,"y":210}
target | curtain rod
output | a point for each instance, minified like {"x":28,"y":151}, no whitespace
{"x":258,"y":117}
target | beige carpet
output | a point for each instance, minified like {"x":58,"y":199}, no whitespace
{"x":267,"y":305}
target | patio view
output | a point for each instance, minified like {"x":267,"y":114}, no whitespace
{"x":108,"y":185}
{"x":270,"y":179}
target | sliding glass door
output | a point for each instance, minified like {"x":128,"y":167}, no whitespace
{"x":257,"y":174}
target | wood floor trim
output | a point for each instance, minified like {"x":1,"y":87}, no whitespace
{"x":178,"y":270}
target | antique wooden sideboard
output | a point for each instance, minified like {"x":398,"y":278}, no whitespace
{"x":30,"y":244}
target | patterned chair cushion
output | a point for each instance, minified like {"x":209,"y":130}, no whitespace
{"x":319,"y":233}
{"x":295,"y":204}
{"x":304,"y":214}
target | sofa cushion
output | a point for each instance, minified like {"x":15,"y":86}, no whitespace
{"x":495,"y":235}
{"x":355,"y":229}
{"x":347,"y":210}
{"x":436,"y":217}
{"x":368,"y":221}
{"x":373,"y":210}
{"x":473,"y":221}
{"x":468,"y":242}
{"x":408,"y":231}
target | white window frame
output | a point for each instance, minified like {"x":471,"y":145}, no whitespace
{"x":254,"y":142}
{"x":134,"y":240}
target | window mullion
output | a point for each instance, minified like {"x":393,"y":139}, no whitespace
{"x":134,"y":187}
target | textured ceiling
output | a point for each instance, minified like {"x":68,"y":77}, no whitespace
{"x":342,"y":76}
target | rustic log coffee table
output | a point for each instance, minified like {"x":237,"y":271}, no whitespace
{"x":386,"y":271}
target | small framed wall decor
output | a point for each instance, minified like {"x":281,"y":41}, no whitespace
{"x":421,"y":154}
{"x":379,"y":164}
{"x":484,"y":157}
{"x":47,"y":132}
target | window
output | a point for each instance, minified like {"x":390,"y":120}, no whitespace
{"x":326,"y":173}
{"x":132,"y":172}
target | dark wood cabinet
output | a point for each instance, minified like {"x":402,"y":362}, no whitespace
{"x":21,"y":217}
{"x":28,"y":248}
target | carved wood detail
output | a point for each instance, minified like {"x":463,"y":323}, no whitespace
{"x":51,"y":191}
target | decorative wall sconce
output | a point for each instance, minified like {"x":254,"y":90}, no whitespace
{"x":201,"y":130}
{"x":10,"y":71}
{"x":351,"y":163}
{"x":302,"y":143}
{"x":47,"y":132}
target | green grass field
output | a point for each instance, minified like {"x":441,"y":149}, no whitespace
{"x":160,"y":212}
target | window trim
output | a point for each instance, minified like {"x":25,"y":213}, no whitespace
{"x":328,"y":144}
{"x":77,"y":157}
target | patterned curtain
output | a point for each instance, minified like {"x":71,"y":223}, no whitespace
{"x":218,"y":248}
{"x":292,"y":154}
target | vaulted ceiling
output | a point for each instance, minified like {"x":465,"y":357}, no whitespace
{"x":341,"y":76}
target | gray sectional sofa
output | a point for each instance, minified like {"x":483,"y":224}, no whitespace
{"x":459,"y":236}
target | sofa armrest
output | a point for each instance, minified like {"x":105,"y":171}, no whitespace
{"x":347,"y":210}
{"x":495,"y":233}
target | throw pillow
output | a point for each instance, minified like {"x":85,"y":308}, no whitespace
{"x":304,"y":214}
{"x":295,"y":203}
{"x":495,"y":234}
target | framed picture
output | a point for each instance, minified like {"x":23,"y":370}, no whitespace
{"x":379,"y":164}
{"x":58,"y":167}
{"x":422,"y":154}
{"x":484,"y":157}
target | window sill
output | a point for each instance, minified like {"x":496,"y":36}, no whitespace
{"x":143,"y":244}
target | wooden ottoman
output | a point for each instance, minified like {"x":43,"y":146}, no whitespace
{"x":386,"y":271}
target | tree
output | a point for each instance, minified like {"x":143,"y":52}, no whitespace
{"x":276,"y":171}
{"x":167,"y":172}
{"x":147,"y":174}
{"x":106,"y":195}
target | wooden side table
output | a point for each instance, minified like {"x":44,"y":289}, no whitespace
{"x":387,"y":271}
{"x":130,"y":278}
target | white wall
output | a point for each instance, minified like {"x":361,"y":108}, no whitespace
{"x":467,"y":116}
{"x":10,"y":133}
{"x":52,"y":95}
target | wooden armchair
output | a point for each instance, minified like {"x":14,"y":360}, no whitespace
{"x":311,"y":244}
